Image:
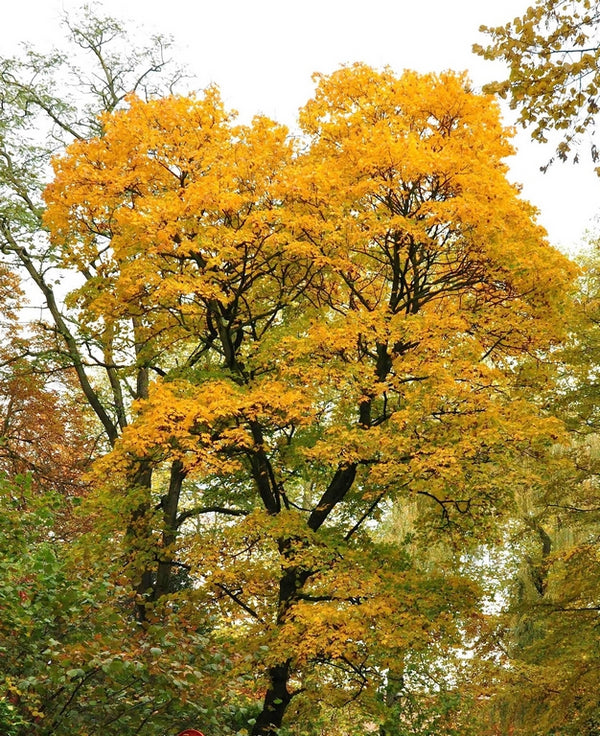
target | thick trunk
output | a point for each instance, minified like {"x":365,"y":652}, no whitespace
{"x":136,"y":541}
{"x":278,"y":696}
{"x":276,"y":702}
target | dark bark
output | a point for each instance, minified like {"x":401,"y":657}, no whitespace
{"x":276,"y":702}
{"x":138,"y":531}
{"x":336,"y":490}
{"x":262,"y":472}
{"x":170,"y":505}
{"x":278,"y":695}
{"x":92,"y":397}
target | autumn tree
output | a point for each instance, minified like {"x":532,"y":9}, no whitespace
{"x":545,"y":640}
{"x":552,"y":53}
{"x":312,"y":334}
{"x":72,"y":658}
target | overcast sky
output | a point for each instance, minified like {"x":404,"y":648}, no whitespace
{"x":262,"y":53}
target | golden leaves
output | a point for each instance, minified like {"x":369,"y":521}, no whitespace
{"x":173,"y":204}
{"x":330,"y":328}
{"x":385,"y":276}
{"x":361,"y":302}
{"x":552,"y":54}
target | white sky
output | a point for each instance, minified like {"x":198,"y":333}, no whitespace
{"x":262,"y":54}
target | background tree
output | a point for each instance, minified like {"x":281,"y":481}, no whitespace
{"x":545,"y":638}
{"x":552,"y":53}
{"x":37,"y":120}
{"x":73,"y":661}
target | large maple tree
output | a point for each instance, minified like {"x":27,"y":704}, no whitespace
{"x":312,"y":331}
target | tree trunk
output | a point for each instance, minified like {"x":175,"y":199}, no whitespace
{"x":277,"y":699}
{"x":278,"y":696}
{"x":170,"y":504}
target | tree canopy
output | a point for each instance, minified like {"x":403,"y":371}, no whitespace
{"x":329,"y":330}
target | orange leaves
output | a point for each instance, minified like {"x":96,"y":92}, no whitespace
{"x":408,"y":193}
{"x":206,"y":426}
{"x":317,"y":332}
{"x":357,"y":303}
{"x":399,"y":201}
{"x":173,"y":204}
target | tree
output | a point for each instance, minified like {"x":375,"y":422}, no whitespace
{"x":73,"y":660}
{"x":311,"y":336}
{"x":552,"y":52}
{"x":36,"y":121}
{"x":546,"y":638}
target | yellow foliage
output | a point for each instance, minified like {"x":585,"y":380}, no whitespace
{"x":331,"y":328}
{"x":552,"y":54}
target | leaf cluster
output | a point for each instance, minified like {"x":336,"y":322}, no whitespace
{"x":552,"y":55}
